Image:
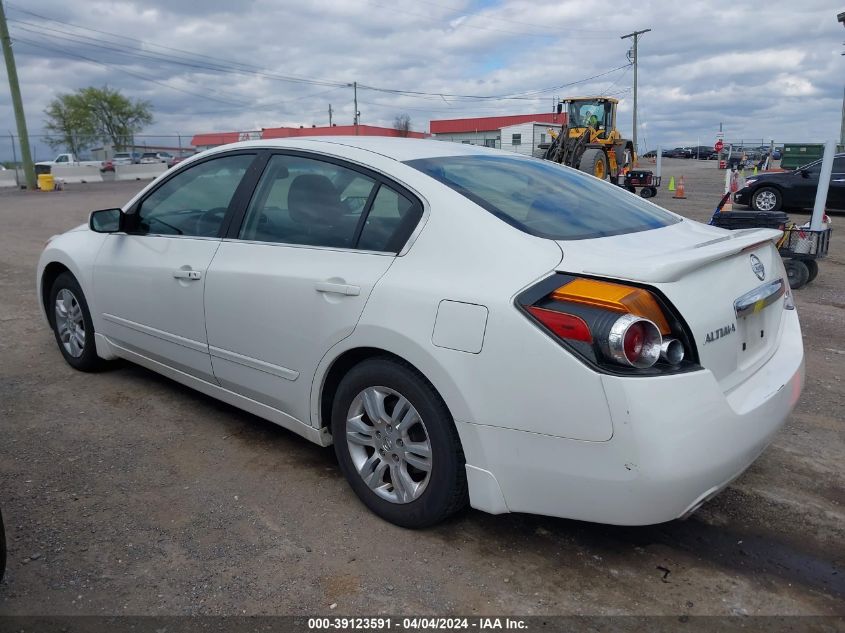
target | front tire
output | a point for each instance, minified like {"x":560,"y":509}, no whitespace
{"x":397,"y":445}
{"x":766,"y":199}
{"x":813,"y":266}
{"x":594,"y":162}
{"x":72,"y":324}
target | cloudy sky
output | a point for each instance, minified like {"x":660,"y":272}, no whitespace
{"x":765,"y":70}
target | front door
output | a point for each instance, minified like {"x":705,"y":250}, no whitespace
{"x":295,"y":277}
{"x":149,"y":282}
{"x":836,"y":194}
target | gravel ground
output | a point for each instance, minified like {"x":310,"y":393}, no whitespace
{"x":126,"y":493}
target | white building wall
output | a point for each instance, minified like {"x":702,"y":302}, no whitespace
{"x":531,"y":135}
{"x":489,"y":138}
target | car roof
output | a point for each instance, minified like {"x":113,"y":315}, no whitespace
{"x":401,"y":149}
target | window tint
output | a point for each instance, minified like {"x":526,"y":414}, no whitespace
{"x":839,"y":165}
{"x":543,"y":198}
{"x":305,"y":201}
{"x":390,"y":220}
{"x":194,"y":202}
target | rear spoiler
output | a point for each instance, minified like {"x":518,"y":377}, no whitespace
{"x":669,"y":267}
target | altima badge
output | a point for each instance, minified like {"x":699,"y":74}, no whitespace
{"x":758,"y":268}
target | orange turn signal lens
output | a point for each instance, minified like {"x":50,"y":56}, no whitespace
{"x":614,"y":297}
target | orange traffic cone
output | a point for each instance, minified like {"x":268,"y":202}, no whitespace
{"x":680,"y":193}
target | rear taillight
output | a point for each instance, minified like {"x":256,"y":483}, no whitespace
{"x":619,"y":327}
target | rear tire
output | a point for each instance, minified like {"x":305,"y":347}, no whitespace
{"x":72,"y":325}
{"x":766,"y":199}
{"x":797,"y":273}
{"x":648,"y":192}
{"x":383,"y":408}
{"x":594,"y":162}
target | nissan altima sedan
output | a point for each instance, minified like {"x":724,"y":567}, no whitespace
{"x":464,"y":325}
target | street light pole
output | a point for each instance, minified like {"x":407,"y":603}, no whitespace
{"x":635,"y":35}
{"x":17,"y":102}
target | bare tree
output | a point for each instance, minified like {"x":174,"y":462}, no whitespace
{"x":402,"y":122}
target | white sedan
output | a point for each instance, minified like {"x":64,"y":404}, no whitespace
{"x":465,"y":325}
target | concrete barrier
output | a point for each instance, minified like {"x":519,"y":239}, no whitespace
{"x":139,"y":172}
{"x":77,"y":173}
{"x":7,"y":178}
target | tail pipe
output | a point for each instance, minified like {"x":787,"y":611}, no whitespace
{"x":672,"y":351}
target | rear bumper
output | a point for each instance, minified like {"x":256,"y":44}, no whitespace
{"x":677,"y":441}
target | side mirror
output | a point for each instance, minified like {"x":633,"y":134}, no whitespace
{"x":106,"y":221}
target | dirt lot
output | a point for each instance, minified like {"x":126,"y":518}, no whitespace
{"x":125,"y":493}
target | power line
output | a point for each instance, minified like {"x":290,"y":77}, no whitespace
{"x":232,"y":66}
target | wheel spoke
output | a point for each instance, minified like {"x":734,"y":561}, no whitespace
{"x":408,"y":418}
{"x":404,"y":487}
{"x":418,"y":455}
{"x":358,"y":432}
{"x":374,"y":405}
{"x":373,"y":471}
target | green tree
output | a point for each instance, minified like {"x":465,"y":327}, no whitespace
{"x":79,"y":119}
{"x":116,"y":118}
{"x":69,"y":124}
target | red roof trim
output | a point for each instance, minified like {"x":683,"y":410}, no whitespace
{"x":490,"y":123}
{"x":222,"y":138}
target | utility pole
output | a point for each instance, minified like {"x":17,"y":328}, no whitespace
{"x":636,"y":36}
{"x":357,"y":114}
{"x":17,"y":103}
{"x":330,"y":115}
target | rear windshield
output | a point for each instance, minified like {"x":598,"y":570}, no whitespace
{"x":543,"y":198}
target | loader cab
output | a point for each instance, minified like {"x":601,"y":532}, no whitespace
{"x":598,"y":113}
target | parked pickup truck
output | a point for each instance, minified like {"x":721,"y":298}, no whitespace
{"x":70,"y":160}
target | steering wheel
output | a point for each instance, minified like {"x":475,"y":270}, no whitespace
{"x":211,"y":219}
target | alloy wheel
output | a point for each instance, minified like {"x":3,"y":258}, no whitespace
{"x":389,"y":444}
{"x":70,"y":323}
{"x":766,"y":200}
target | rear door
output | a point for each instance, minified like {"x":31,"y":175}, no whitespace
{"x":293,"y":278}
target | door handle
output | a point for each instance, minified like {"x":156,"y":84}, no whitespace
{"x":190,"y":275}
{"x":337,"y":289}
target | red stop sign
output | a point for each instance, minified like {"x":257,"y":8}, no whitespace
{"x":718,"y":146}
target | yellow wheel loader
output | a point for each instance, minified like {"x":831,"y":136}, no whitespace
{"x":589,"y":141}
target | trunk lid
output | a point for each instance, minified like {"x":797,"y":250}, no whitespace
{"x":709,"y":275}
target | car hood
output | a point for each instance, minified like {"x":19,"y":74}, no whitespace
{"x":771,"y":175}
{"x":661,"y":255}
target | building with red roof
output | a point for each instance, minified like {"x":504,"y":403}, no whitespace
{"x":522,"y":133}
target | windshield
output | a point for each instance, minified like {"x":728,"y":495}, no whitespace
{"x":543,"y":198}
{"x":586,"y":113}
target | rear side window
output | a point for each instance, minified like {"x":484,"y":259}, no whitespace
{"x":387,"y":220}
{"x":543,"y":198}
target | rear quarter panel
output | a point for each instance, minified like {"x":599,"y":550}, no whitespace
{"x":521,"y":378}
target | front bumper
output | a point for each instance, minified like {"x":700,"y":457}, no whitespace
{"x":677,"y":441}
{"x":743,"y":196}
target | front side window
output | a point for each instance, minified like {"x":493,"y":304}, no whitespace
{"x":194,"y":202}
{"x":305,"y":201}
{"x":543,"y":198}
